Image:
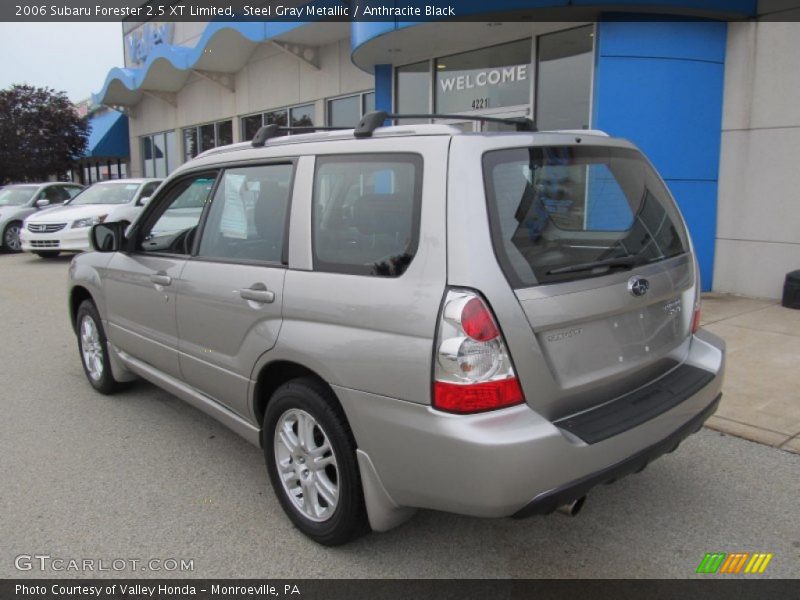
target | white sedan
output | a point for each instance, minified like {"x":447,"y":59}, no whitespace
{"x":66,"y":228}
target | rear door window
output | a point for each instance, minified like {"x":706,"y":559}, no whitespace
{"x":366,"y":213}
{"x":564,"y":213}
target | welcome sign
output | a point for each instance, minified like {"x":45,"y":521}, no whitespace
{"x":476,"y":89}
{"x":484,"y":78}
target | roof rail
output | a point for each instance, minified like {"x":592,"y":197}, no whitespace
{"x":372,"y":120}
{"x":267,"y":132}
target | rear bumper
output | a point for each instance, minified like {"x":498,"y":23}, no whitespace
{"x":513,"y":461}
{"x":66,"y":240}
{"x":547,"y":502}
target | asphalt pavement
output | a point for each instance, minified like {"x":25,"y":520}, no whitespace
{"x":142,"y":476}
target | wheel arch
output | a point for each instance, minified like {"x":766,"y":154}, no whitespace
{"x":76,"y":296}
{"x":276,"y":373}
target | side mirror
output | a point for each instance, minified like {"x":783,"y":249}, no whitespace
{"x":144,"y":200}
{"x":42,"y":202}
{"x":108,"y":237}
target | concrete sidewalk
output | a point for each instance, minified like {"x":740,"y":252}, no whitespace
{"x":761,"y":395}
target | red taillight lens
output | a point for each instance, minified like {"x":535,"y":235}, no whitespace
{"x":477,"y":321}
{"x":472,"y":369}
{"x":696,"y":320}
{"x":477,"y":397}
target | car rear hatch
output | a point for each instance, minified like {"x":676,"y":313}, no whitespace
{"x":599,"y":259}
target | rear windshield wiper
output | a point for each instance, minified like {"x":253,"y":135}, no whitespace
{"x":623,"y":262}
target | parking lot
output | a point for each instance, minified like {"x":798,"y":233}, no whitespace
{"x":142,"y":475}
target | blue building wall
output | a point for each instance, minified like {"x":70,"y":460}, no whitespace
{"x":660,"y":84}
{"x":383,"y":88}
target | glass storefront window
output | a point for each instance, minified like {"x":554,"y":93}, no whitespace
{"x":147,"y":156}
{"x":344,"y":112}
{"x":172,"y":151}
{"x":348,"y":110}
{"x":482,"y":79}
{"x":277,"y":117}
{"x":250,"y":125}
{"x":224,"y":133}
{"x":368,"y":102}
{"x":413,"y":88}
{"x":207,"y":137}
{"x":160,"y":155}
{"x":564,"y":79}
{"x":204,"y":137}
{"x":189,"y":143}
{"x":302,"y":116}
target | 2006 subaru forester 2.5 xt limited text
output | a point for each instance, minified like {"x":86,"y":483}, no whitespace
{"x":412,"y":317}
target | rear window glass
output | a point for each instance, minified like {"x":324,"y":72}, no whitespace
{"x":366,"y":213}
{"x":570,"y":212}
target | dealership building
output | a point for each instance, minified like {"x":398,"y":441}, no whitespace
{"x":710,"y":91}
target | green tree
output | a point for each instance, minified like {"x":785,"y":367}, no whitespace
{"x":41,"y":134}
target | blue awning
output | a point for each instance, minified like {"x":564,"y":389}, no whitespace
{"x":108,"y":136}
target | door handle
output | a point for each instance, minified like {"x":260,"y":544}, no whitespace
{"x":161,"y":279}
{"x":257,"y":293}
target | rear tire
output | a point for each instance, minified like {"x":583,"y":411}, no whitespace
{"x":93,"y":349}
{"x":11,"y":237}
{"x":311,"y":460}
{"x":47,"y":254}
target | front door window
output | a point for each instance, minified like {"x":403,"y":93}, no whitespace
{"x":171,"y":228}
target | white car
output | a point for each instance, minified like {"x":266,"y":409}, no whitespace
{"x":66,"y":228}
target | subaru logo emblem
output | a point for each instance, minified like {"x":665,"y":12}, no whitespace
{"x":638,"y":286}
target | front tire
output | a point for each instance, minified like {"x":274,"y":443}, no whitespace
{"x":311,"y":459}
{"x":93,"y":348}
{"x":47,"y":254}
{"x":11,"y":237}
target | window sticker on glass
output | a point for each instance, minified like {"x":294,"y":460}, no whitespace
{"x":234,"y":214}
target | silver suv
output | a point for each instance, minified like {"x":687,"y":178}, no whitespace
{"x":411,"y":317}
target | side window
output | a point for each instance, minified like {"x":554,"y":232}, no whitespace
{"x":171,"y":227}
{"x":147,"y":191}
{"x":56,"y":194}
{"x":247,"y":219}
{"x":366,"y":213}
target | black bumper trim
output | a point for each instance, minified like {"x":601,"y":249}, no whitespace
{"x":547,"y":502}
{"x":622,"y":414}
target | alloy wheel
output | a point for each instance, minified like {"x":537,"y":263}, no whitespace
{"x":91,"y":348}
{"x":306,"y":465}
{"x":12,"y":238}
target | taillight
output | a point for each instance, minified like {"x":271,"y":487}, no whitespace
{"x":473,"y":370}
{"x":477,"y":321}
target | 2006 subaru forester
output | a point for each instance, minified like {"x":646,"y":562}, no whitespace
{"x":412,"y":316}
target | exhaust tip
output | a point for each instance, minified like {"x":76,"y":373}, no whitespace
{"x":573,"y":508}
